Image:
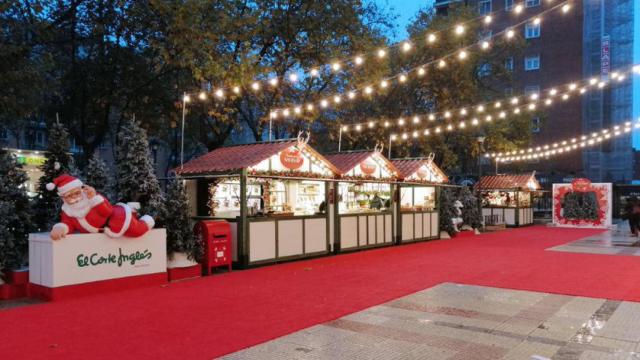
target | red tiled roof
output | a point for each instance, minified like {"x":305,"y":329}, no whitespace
{"x":345,"y":161}
{"x":408,"y":167}
{"x":234,"y":157}
{"x":508,"y":181}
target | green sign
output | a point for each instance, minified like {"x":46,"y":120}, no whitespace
{"x":96,"y":259}
{"x":31,"y":160}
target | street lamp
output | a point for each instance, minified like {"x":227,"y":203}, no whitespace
{"x":480,"y":140}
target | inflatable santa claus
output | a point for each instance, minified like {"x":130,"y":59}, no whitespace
{"x":85,"y":211}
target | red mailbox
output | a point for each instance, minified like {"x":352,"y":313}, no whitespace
{"x":216,"y":239}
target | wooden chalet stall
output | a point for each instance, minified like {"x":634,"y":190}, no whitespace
{"x":364,"y":201}
{"x":274,"y":194}
{"x":417,"y":207}
{"x":507,"y":199}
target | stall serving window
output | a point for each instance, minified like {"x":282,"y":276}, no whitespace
{"x":417,"y":198}
{"x":363,"y":197}
{"x":506,"y":198}
{"x":268,"y":197}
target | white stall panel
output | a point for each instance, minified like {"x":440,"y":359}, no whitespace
{"x":372,"y":229}
{"x":435,"y":225}
{"x":388,"y":237}
{"x":407,"y":227}
{"x":510,"y":216}
{"x":348,"y":232}
{"x":418,"y":226}
{"x":290,"y":238}
{"x":362,"y":227}
{"x":262,"y":240}
{"x":234,"y":240}
{"x":426,"y":227}
{"x":380,"y":229}
{"x":315,"y":235}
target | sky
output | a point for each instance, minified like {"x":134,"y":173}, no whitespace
{"x":405,"y":10}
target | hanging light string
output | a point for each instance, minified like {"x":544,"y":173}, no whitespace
{"x":500,"y":107}
{"x":419,"y":71}
{"x":405,"y":46}
{"x":567,"y":145}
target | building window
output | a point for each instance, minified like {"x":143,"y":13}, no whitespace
{"x":508,"y":63}
{"x":508,"y":4}
{"x":532,"y":63}
{"x":508,"y":91}
{"x":484,"y":69}
{"x":532,"y":3}
{"x":535,"y":125}
{"x":484,"y":7}
{"x":40,"y":138}
{"x":531,"y":89}
{"x":531,"y":30}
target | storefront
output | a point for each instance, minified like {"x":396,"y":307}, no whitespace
{"x":31,"y":160}
{"x":507,"y":199}
{"x":274,"y":194}
{"x":364,"y":202}
{"x":417,"y":207}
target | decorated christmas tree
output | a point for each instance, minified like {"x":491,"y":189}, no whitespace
{"x":15,"y":213}
{"x":135,"y":179}
{"x":470,"y":212}
{"x":58,"y":161}
{"x":447,"y":211}
{"x":180,"y":236}
{"x":96,"y":174}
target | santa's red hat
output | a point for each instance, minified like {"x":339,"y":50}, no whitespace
{"x":64,"y":183}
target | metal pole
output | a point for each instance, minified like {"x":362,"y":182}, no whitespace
{"x":270,"y":125}
{"x":389,"y":153}
{"x":340,"y":139}
{"x":184,"y":108}
{"x":496,"y":166}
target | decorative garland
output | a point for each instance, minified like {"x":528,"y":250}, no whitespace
{"x":289,"y":173}
{"x":601,"y":198}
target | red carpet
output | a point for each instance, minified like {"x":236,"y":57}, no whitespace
{"x":216,"y":315}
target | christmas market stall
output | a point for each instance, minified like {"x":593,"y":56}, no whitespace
{"x":363,"y":208}
{"x":273,"y":194}
{"x":506,"y":199}
{"x":417,"y":206}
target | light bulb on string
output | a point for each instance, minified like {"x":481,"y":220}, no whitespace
{"x":484,"y":45}
{"x":293,"y":78}
{"x":219,"y":93}
{"x":336,"y":66}
{"x":236,"y":89}
{"x":416,"y":119}
{"x":431,"y":38}
{"x":406,"y":46}
{"x":202,"y":95}
{"x":421,"y":71}
{"x":536,"y":21}
{"x":255,"y":86}
{"x":442,"y":63}
{"x":382,"y":53}
{"x":518,"y":9}
{"x":273,"y":81}
{"x":488,"y":19}
{"x":403,"y":78}
{"x":459,"y":29}
{"x":314,"y":72}
{"x":358,"y":60}
{"x":566,"y":8}
{"x":510,"y":34}
{"x":368,"y":90}
{"x":384,"y":84}
{"x":462,"y":55}
{"x":351,"y":94}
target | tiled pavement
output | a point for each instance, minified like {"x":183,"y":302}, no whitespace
{"x":460,"y":322}
{"x":607,"y":243}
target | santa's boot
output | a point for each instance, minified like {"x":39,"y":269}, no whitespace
{"x":123,"y":222}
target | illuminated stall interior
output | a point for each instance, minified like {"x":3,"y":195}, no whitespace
{"x":507,"y":199}
{"x":417,"y":206}
{"x":282,"y":212}
{"x":363,"y":211}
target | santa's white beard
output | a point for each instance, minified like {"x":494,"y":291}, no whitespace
{"x":79,"y":209}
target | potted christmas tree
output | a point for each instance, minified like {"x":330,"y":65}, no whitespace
{"x":447,"y":213}
{"x":472,"y":219}
{"x":15,"y":225}
{"x":183,"y":247}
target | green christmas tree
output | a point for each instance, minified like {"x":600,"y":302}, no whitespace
{"x":15,"y":213}
{"x":58,"y":161}
{"x":447,"y":211}
{"x":180,"y":236}
{"x":136,"y":179}
{"x":470,"y":212}
{"x":96,"y":174}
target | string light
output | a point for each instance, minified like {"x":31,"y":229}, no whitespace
{"x":219,"y":93}
{"x":202,"y":95}
{"x":406,"y":46}
{"x":293,"y":78}
{"x":459,"y":29}
{"x":441,"y":63}
{"x":488,"y":19}
{"x":431,"y":38}
{"x":568,"y":145}
{"x":335,"y":66}
{"x":382,"y":53}
{"x":358,"y":60}
{"x":518,"y":9}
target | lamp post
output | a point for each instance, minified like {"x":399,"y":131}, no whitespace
{"x":185,"y":100}
{"x":481,"y":151}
